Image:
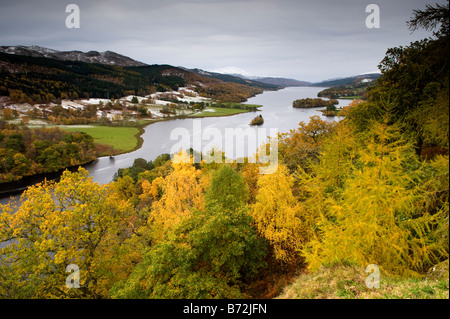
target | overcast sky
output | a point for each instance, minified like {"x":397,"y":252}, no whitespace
{"x":309,"y":40}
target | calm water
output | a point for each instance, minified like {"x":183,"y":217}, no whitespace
{"x":276,"y":110}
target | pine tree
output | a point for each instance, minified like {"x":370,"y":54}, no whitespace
{"x":381,"y":216}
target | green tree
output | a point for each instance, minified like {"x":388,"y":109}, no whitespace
{"x":430,"y":18}
{"x":211,"y":254}
{"x":227,"y":189}
{"x":415,"y":79}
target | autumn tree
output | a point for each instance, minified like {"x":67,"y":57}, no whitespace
{"x":72,"y":222}
{"x":8,"y":114}
{"x":250,"y":173}
{"x":386,"y":212}
{"x":336,"y":158}
{"x":25,"y":151}
{"x":182,"y":192}
{"x":277,"y":215}
{"x":211,"y":253}
{"x":125,"y":188}
{"x":302,"y":145}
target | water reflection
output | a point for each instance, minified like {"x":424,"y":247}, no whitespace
{"x":276,"y":110}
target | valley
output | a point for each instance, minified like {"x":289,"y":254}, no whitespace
{"x":152,"y":181}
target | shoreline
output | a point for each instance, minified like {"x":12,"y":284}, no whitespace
{"x":30,"y":180}
{"x":141,"y":127}
{"x":26,"y":181}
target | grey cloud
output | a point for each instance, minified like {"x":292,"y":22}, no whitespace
{"x":307,"y":39}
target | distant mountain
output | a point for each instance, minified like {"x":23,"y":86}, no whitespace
{"x":35,"y":73}
{"x":107,"y":57}
{"x":351,"y":87}
{"x":349,"y":80}
{"x":270,"y":82}
{"x":41,"y":75}
{"x":282,"y":81}
{"x":237,"y":78}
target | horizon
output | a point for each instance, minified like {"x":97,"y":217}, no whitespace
{"x":302,"y":40}
{"x":227,"y":71}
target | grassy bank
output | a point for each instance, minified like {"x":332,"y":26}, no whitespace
{"x":219,"y":111}
{"x":111,"y":140}
{"x":354,"y":97}
{"x":348,"y":282}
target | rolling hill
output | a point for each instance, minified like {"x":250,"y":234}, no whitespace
{"x":238,"y":79}
{"x":348,"y":80}
{"x":351,"y":88}
{"x":107,"y":57}
{"x":44,"y":75}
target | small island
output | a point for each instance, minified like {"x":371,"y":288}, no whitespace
{"x":311,"y":103}
{"x":331,"y":110}
{"x":257,"y":120}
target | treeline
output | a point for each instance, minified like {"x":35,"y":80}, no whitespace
{"x":40,"y":80}
{"x":370,"y":189}
{"x":167,"y":229}
{"x":356,"y":90}
{"x":229,"y":92}
{"x":310,"y":103}
{"x":240,"y":106}
{"x":25,"y":151}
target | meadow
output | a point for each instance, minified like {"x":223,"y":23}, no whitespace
{"x":219,"y":111}
{"x":119,"y":139}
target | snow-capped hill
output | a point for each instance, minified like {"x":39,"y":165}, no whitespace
{"x":107,"y":57}
{"x":34,"y":51}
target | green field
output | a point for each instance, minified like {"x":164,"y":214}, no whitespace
{"x":218,"y":111}
{"x":351,"y":97}
{"x":121,"y":139}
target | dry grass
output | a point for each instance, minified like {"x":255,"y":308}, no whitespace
{"x":348,"y":282}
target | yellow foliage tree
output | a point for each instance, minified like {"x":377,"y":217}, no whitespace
{"x":382,"y":213}
{"x":72,"y":222}
{"x":152,"y":190}
{"x":182,"y":192}
{"x":250,"y":172}
{"x":276,"y":214}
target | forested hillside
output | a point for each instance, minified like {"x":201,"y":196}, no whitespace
{"x":40,"y":80}
{"x":354,"y":90}
{"x":369,"y":189}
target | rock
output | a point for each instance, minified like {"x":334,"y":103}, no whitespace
{"x":438,"y":271}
